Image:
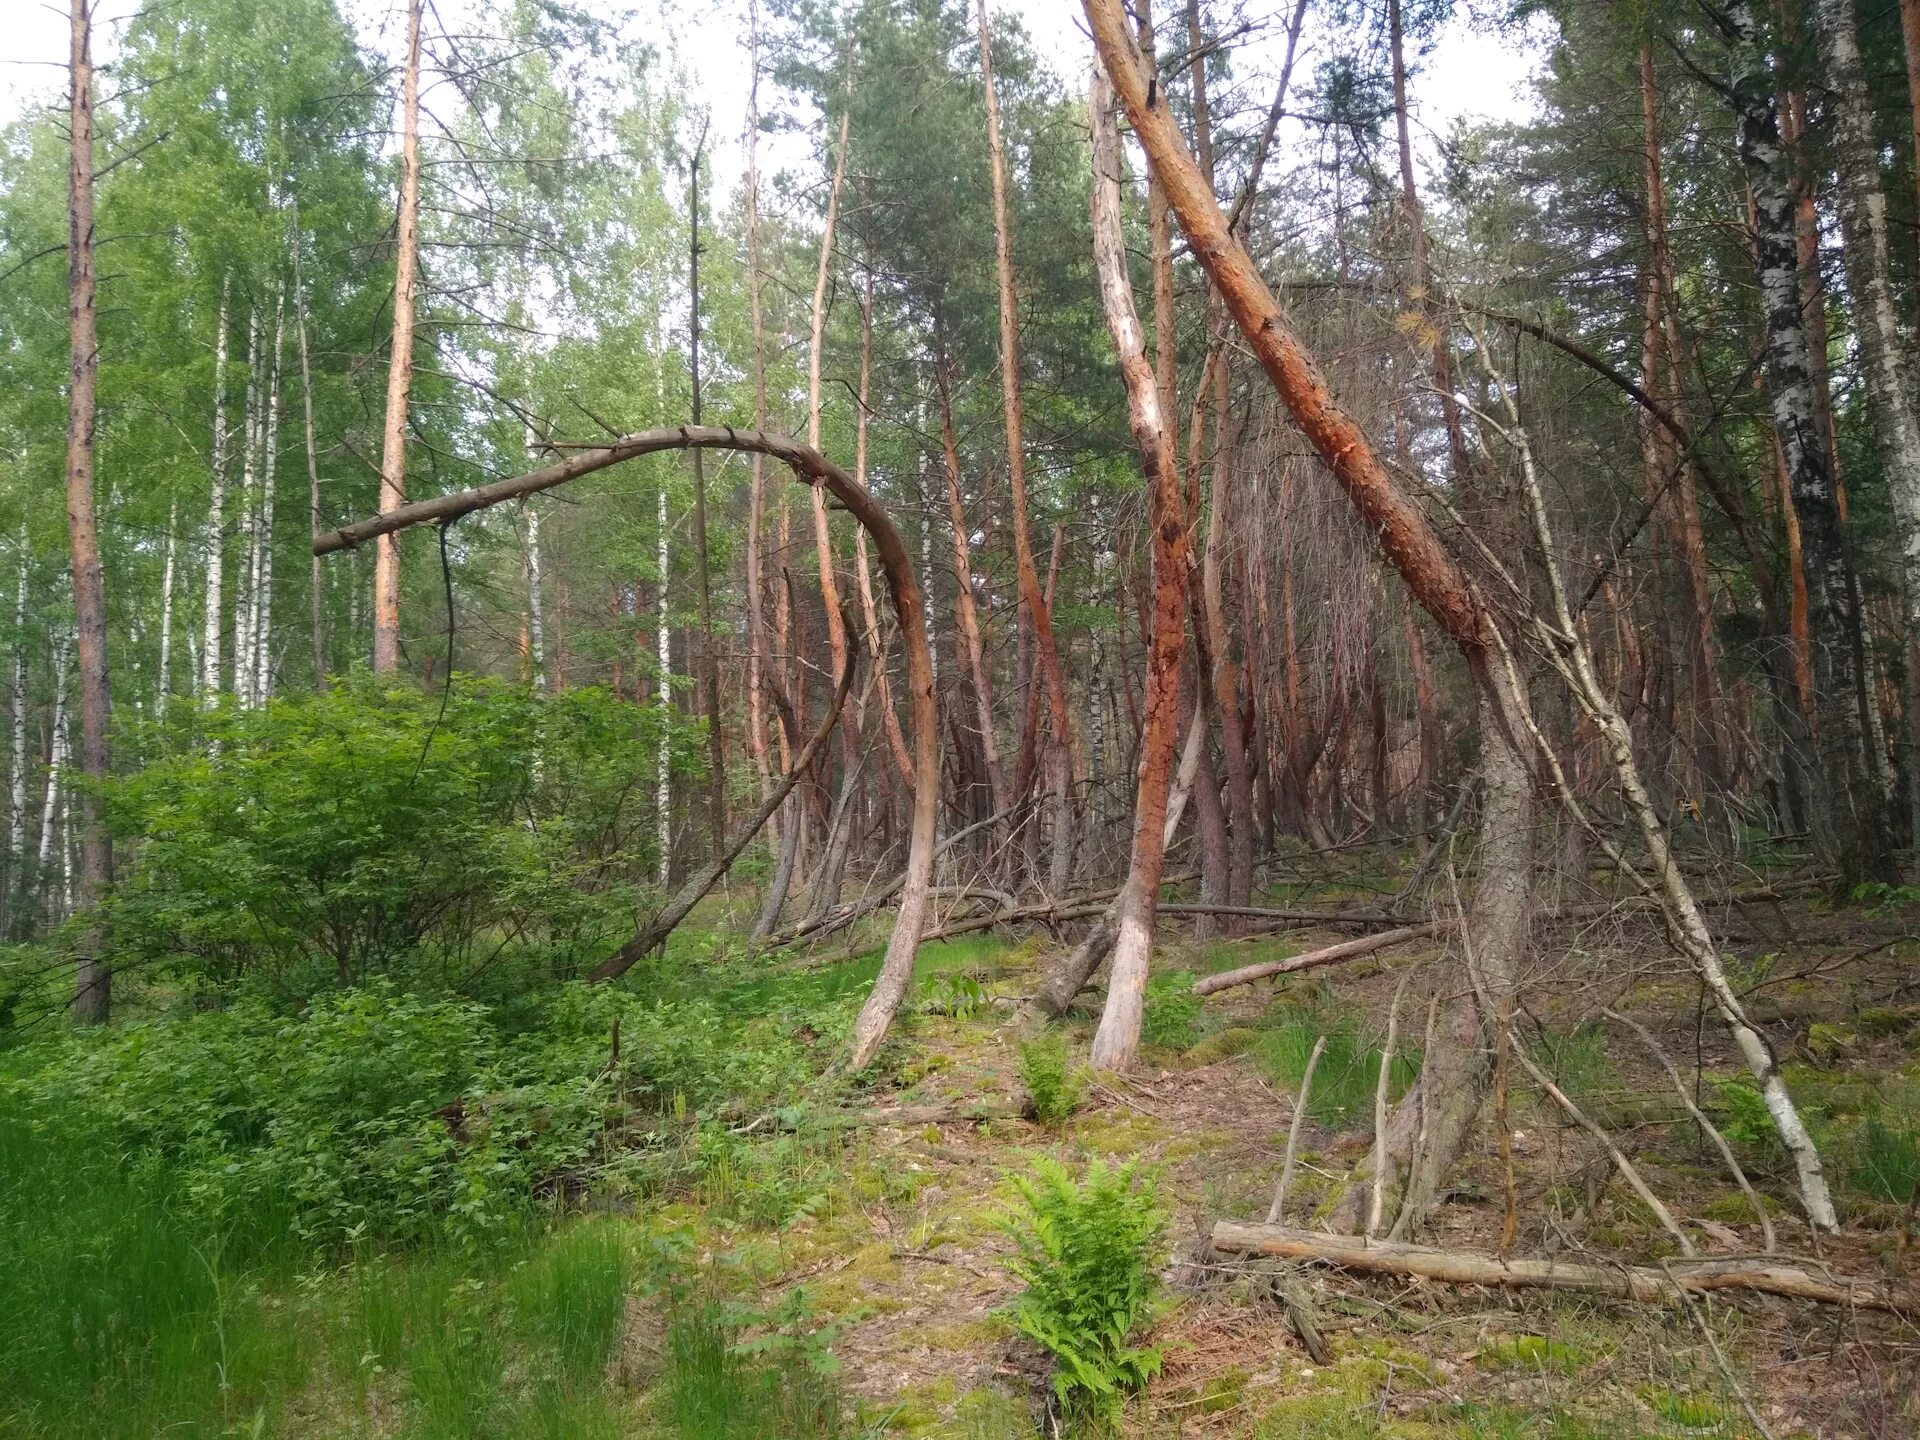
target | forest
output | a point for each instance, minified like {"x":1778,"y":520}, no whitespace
{"x":923,"y":731}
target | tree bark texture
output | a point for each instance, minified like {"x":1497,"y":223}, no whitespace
{"x":393,"y":442}
{"x":92,"y":998}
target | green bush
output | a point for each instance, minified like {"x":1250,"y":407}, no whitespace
{"x":376,"y":1115}
{"x":1172,"y":1017}
{"x":1087,"y":1251}
{"x":325,"y":839}
{"x":1054,"y":1084}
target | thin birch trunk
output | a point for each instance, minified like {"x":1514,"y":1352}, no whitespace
{"x":245,"y":580}
{"x":709,"y":661}
{"x":393,"y":444}
{"x":17,"y":823}
{"x":1864,"y":226}
{"x":56,"y":754}
{"x":756,"y":492}
{"x":316,"y":593}
{"x":536,"y":602}
{"x":163,"y":678}
{"x":216,"y":539}
{"x":663,"y":637}
{"x":1567,"y":645}
{"x":1847,"y":813}
{"x":269,"y":469}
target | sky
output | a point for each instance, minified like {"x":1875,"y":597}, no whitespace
{"x":1470,"y":74}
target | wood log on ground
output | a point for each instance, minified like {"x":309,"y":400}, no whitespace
{"x":1313,"y":959}
{"x":1667,"y":1286}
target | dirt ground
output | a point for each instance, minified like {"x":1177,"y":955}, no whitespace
{"x":919,"y":1260}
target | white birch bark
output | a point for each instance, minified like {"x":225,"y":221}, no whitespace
{"x":663,"y":778}
{"x":57,"y":750}
{"x":269,"y":467}
{"x":163,"y":681}
{"x":1864,"y":228}
{"x":249,"y":560}
{"x":536,"y":603}
{"x":17,"y":824}
{"x":208,"y":673}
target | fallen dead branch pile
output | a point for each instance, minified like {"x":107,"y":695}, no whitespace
{"x":1671,"y":1284}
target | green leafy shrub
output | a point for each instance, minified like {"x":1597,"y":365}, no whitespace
{"x":326,"y":839}
{"x":957,"y":994}
{"x":1054,"y":1084}
{"x":1172,"y":1017}
{"x":1746,"y":1121}
{"x":376,"y":1115}
{"x":1087,"y":1252}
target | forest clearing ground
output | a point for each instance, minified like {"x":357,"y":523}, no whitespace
{"x":919,"y":1257}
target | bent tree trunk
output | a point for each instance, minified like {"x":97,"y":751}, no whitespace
{"x":812,"y":468}
{"x":1455,"y":1073}
{"x":1118,"y":1037}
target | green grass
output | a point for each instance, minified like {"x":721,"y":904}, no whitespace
{"x":1348,"y":1072}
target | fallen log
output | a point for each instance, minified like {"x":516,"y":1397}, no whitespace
{"x":1671,"y":1285}
{"x":1345,"y":950}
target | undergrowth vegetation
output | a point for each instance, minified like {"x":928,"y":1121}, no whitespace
{"x":1088,"y":1250}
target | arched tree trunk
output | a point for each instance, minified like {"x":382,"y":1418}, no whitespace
{"x":812,"y":468}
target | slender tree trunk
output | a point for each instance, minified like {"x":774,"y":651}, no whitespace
{"x":163,"y":676}
{"x":964,"y":609}
{"x":1863,"y":224}
{"x":1664,"y":317}
{"x":1687,"y":926}
{"x":216,"y":540}
{"x":92,"y":979}
{"x":822,"y":537}
{"x":17,"y":815}
{"x":756,"y":491}
{"x":536,"y":602}
{"x":1038,"y":611}
{"x":663,"y":756}
{"x":393,"y":448}
{"x":1226,"y":668}
{"x":716,"y":741}
{"x":57,"y":755}
{"x":247,"y":562}
{"x":863,"y":574}
{"x":1117,"y":1040}
{"x":269,"y":468}
{"x":316,"y":593}
{"x":1848,"y":816}
{"x":1423,"y":293}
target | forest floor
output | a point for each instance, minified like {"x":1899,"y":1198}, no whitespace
{"x":920,"y":1260}
{"x":864,"y":1249}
